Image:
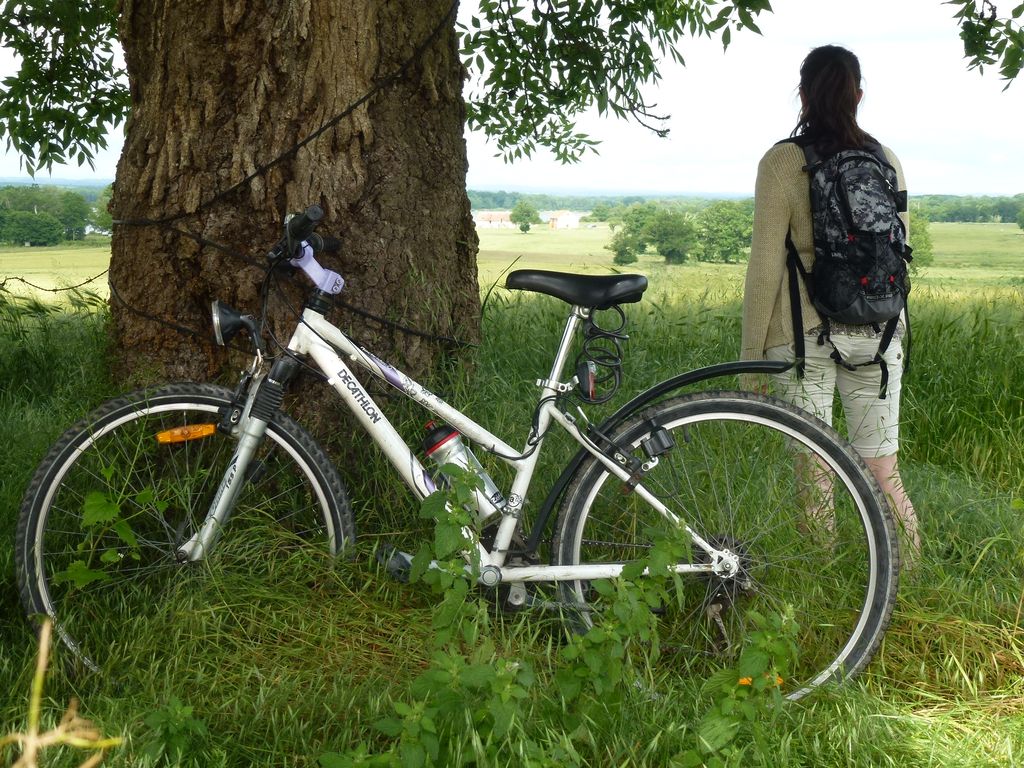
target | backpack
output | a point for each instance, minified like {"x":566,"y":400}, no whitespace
{"x":860,"y":248}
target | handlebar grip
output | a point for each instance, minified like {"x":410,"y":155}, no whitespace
{"x":301,"y":227}
{"x":321,"y":243}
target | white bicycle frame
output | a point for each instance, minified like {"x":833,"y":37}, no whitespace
{"x":316,"y":337}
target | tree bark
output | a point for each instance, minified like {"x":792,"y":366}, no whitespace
{"x":222,"y":87}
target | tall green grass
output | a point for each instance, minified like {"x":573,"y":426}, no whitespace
{"x":52,"y":370}
{"x":284,"y":667}
{"x":964,"y":399}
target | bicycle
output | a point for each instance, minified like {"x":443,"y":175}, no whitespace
{"x":774,"y":507}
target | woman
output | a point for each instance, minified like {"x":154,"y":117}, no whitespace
{"x":829,"y":94}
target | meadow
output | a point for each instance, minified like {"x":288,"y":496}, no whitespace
{"x":56,"y":266}
{"x":302,"y":668}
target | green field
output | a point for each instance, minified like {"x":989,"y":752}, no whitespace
{"x":55,"y":267}
{"x":966,"y":256}
{"x":976,"y":255}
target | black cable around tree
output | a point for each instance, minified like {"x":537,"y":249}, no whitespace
{"x":167,"y":222}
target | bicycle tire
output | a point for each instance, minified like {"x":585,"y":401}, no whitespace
{"x":109,"y":505}
{"x":821,"y":540}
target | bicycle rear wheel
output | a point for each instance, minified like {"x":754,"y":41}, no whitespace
{"x":785,"y":493}
{"x":110,"y":504}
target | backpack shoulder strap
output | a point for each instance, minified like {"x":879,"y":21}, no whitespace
{"x":811,"y":156}
{"x":796,"y":272}
{"x":796,"y":268}
{"x":876,"y":149}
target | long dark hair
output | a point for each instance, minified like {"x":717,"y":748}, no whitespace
{"x":830,"y":92}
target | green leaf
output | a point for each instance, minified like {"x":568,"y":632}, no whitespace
{"x":97,"y":508}
{"x":721,"y":681}
{"x":448,"y":540}
{"x":412,"y":755}
{"x":420,"y":563}
{"x":716,"y":732}
{"x":479,"y":675}
{"x":569,"y":684}
{"x":80,"y":574}
{"x":433,"y":507}
{"x":753,"y":663}
{"x":689,"y":759}
{"x":126,"y":534}
{"x":335,"y":760}
{"x":390,"y":726}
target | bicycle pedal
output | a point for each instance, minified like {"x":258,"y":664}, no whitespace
{"x":398,"y":564}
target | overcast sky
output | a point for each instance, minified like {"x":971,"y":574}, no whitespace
{"x":955,"y":131}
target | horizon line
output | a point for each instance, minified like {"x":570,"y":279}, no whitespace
{"x":529,"y":190}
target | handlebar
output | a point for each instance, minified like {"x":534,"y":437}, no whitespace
{"x":300,"y":244}
{"x":297,"y":229}
{"x":301,"y":227}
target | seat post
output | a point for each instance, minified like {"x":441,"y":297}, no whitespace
{"x":572,"y":324}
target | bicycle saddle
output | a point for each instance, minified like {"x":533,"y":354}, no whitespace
{"x":594,"y":291}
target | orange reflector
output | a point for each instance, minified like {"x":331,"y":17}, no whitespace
{"x":183,"y":434}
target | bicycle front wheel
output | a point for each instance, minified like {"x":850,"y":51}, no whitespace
{"x":779,"y":489}
{"x":119,"y":492}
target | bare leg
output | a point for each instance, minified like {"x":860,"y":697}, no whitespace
{"x":888,"y":475}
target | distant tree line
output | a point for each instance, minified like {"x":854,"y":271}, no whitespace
{"x":954,"y":208}
{"x":945,"y":208}
{"x":37,"y":215}
{"x":505,"y":201}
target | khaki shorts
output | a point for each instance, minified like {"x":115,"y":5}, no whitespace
{"x":873,"y":424}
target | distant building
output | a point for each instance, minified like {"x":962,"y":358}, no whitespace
{"x":563,"y":219}
{"x":493,"y":220}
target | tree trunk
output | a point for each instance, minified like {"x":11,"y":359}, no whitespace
{"x":222,"y":87}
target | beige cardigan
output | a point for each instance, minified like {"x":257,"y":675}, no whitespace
{"x":781,"y":203}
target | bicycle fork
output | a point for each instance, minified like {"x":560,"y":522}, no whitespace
{"x":249,"y":424}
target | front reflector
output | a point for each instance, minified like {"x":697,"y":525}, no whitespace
{"x":183,"y":434}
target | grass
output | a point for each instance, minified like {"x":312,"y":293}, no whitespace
{"x":281,"y":669}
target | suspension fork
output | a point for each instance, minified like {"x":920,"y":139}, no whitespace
{"x":266,"y":391}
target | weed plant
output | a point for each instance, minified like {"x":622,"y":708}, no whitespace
{"x":282,"y":667}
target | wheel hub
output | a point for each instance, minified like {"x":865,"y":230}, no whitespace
{"x":730,"y":568}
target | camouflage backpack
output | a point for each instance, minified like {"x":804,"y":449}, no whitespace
{"x":861,"y":253}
